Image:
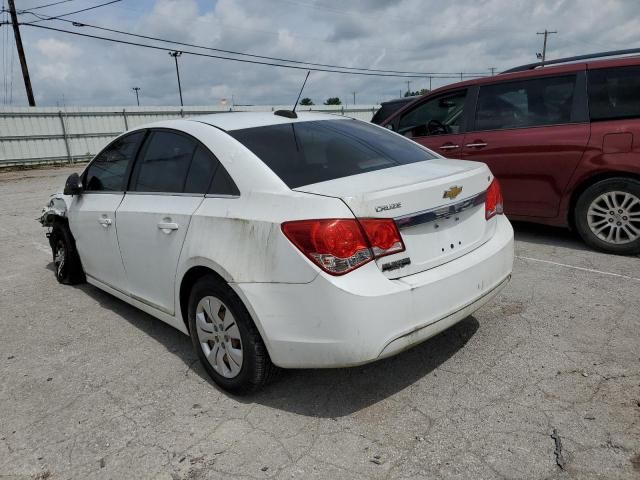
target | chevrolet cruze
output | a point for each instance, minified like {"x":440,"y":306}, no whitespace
{"x":284,"y":240}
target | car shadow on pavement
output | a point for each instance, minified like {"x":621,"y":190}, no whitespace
{"x":547,"y":235}
{"x":326,"y":393}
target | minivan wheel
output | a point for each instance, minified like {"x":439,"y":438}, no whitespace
{"x":608,"y":216}
{"x":225,"y":338}
{"x":66,"y":260}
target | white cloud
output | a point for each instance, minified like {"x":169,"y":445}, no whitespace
{"x":418,"y":35}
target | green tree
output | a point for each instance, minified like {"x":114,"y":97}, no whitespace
{"x":306,"y":101}
{"x":333,"y":101}
{"x":412,"y":94}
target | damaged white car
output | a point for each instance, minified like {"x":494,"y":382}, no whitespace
{"x":296,"y":241}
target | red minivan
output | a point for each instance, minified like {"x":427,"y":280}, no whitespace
{"x":563,"y":140}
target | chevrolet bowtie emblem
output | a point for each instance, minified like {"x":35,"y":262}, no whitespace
{"x":452,"y":193}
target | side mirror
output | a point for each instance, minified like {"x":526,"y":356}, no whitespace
{"x":73,"y":186}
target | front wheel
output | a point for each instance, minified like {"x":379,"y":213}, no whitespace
{"x":608,"y":216}
{"x":225,"y":338}
{"x":66,"y":260}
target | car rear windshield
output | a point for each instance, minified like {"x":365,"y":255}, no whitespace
{"x":303,"y":153}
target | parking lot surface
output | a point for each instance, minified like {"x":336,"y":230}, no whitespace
{"x":543,"y":382}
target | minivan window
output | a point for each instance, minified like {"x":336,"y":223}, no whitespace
{"x":303,"y":153}
{"x":438,"y":116}
{"x":526,"y":103}
{"x":108,"y":170}
{"x":614,"y":93}
{"x":164,"y":163}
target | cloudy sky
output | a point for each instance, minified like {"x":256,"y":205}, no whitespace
{"x":407,"y":35}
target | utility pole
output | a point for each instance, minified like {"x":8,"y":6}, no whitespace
{"x":429,"y":82}
{"x":137,"y":89}
{"x":354,"y":98}
{"x":408,"y":88}
{"x":546,"y":33}
{"x":492,"y":70}
{"x":175,"y":56}
{"x":23,"y":60}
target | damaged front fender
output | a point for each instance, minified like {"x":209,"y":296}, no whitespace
{"x":56,"y":207}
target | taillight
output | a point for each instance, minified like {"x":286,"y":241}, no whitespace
{"x":341,"y":245}
{"x":493,"y":204}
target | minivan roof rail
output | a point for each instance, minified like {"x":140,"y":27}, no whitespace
{"x":612,"y":53}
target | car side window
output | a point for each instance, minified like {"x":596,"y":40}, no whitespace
{"x":526,"y":103}
{"x":164,"y":163}
{"x":614,"y":93}
{"x":202,"y":167}
{"x":438,"y":116}
{"x":223,"y":184}
{"x":108,"y":170}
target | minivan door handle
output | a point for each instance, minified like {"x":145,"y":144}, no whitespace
{"x":448,"y":146}
{"x":476,"y":144}
{"x":168,"y":227}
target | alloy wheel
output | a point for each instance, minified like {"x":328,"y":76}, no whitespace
{"x":614,"y":217}
{"x":219,"y":336}
{"x":59,"y":258}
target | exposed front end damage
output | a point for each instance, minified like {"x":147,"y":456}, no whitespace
{"x":56,"y":207}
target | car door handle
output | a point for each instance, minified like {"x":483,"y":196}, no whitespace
{"x":476,"y":144}
{"x":168,"y":226}
{"x":105,"y":222}
{"x":448,"y":147}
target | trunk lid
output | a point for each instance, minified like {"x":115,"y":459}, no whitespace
{"x":438,"y":206}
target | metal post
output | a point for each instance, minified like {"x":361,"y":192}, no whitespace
{"x":546,"y":33}
{"x":136,"y":89}
{"x":23,"y":60}
{"x":124,"y":116}
{"x":175,"y":56}
{"x":64,"y":136}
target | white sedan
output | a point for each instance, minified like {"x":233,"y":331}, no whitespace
{"x":314,"y":241}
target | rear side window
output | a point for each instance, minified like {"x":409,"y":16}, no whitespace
{"x":527,"y":103}
{"x":303,"y":153}
{"x":202,"y":167}
{"x":108,"y":171}
{"x":614,"y":93}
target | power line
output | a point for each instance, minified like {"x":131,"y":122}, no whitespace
{"x":50,"y":4}
{"x":241,"y":60}
{"x":233,"y":52}
{"x":71,"y":13}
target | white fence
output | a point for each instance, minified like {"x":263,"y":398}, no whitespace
{"x":75,"y":134}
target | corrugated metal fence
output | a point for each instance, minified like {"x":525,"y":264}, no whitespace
{"x":75,"y":134}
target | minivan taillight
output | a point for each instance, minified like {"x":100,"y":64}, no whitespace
{"x":493,"y":204}
{"x":340,"y":245}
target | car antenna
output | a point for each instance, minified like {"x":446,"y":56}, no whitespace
{"x":292,"y":113}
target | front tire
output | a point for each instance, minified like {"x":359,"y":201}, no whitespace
{"x":66,"y":261}
{"x":607,"y":216}
{"x":225,"y":338}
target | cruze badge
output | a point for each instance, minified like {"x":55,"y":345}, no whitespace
{"x":452,"y":193}
{"x":391,"y":206}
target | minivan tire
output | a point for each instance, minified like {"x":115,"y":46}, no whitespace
{"x":66,"y":261}
{"x":256,"y":369}
{"x":590,"y":197}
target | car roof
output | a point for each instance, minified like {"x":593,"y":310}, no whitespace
{"x":238,"y":120}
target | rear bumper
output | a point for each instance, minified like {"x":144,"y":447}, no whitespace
{"x":363,"y":316}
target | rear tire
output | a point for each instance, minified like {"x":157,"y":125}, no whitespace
{"x":68,"y":268}
{"x":225,"y":338}
{"x":607,"y":216}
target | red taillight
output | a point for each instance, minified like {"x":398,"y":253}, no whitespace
{"x":383,"y":236}
{"x":341,"y":245}
{"x":493,"y":204}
